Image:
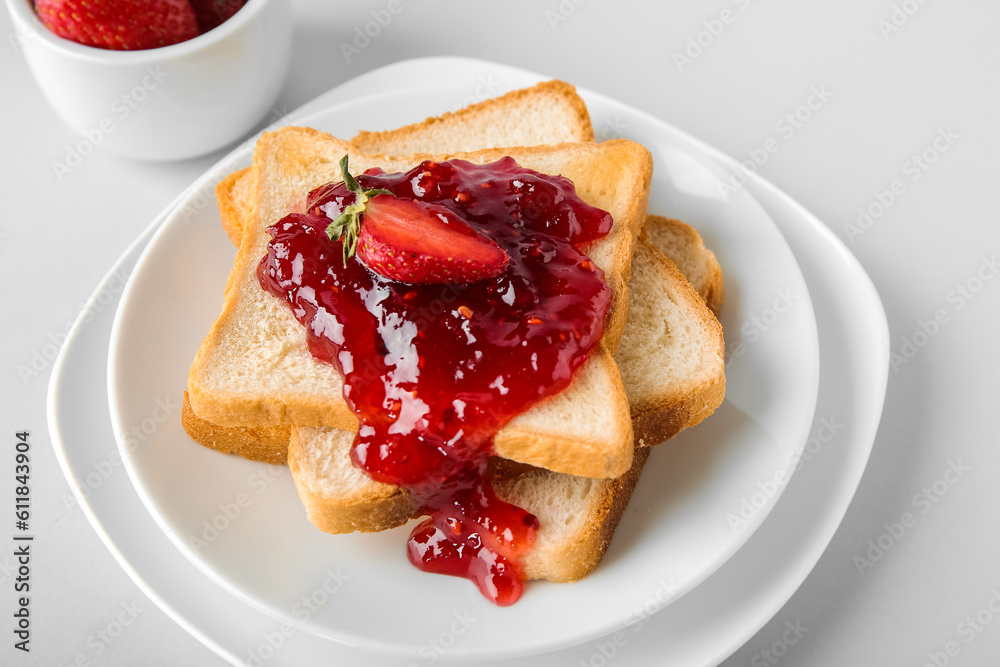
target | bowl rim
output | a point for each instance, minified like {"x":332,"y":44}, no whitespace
{"x":24,"y":13}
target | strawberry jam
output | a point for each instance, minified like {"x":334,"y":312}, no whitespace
{"x":433,"y":372}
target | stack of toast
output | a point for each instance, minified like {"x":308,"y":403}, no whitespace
{"x":573,"y":459}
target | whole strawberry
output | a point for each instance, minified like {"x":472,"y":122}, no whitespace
{"x":413,"y":241}
{"x":121,"y":25}
{"x":212,"y":13}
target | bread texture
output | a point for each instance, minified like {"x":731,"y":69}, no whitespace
{"x":577,"y":517}
{"x":338,"y":497}
{"x":659,"y":407}
{"x":685,"y":248}
{"x":672,"y":358}
{"x":254,"y":370}
{"x":264,"y":443}
{"x":233,"y":193}
{"x":548,"y":113}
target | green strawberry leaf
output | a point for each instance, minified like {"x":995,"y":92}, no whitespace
{"x":347,"y":225}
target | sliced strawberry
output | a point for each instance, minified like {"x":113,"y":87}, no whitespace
{"x":418,"y":242}
{"x":414,"y":241}
{"x":213,"y":13}
{"x":121,"y":25}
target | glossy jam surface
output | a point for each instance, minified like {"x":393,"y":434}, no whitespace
{"x":434,"y":371}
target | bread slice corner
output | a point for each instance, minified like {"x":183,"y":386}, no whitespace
{"x":338,"y":497}
{"x":577,"y":517}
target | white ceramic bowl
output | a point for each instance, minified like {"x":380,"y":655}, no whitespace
{"x":169,"y":103}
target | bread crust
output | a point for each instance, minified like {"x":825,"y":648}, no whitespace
{"x":267,"y":443}
{"x":589,"y":456}
{"x":232,"y":195}
{"x":400,"y":141}
{"x":368,"y":508}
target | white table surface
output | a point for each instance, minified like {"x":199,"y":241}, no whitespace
{"x":887,"y":98}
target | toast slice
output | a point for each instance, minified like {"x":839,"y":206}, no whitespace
{"x":685,"y":248}
{"x":670,"y":324}
{"x":254,"y":371}
{"x":672,"y":357}
{"x":547,"y":113}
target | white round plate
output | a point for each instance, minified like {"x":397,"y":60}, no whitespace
{"x":700,"y":629}
{"x":701,"y":497}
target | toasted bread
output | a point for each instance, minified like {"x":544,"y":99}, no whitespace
{"x":234,"y":196}
{"x":672,"y":357}
{"x":547,"y":113}
{"x":254,"y":370}
{"x":685,"y":248}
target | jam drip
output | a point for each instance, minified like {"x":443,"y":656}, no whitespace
{"x":433,"y":372}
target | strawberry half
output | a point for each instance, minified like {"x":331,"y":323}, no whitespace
{"x":120,"y":25}
{"x":413,"y":241}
